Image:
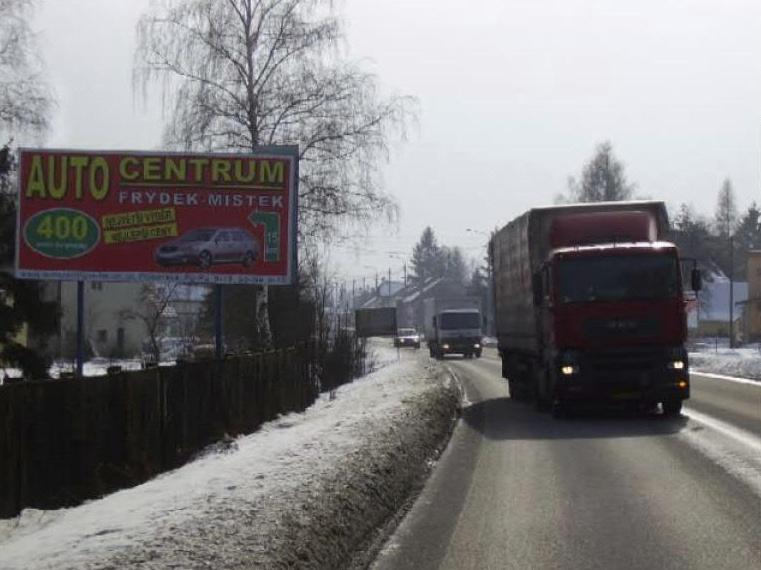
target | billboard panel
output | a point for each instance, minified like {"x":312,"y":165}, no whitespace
{"x":141,"y":216}
{"x":375,"y":322}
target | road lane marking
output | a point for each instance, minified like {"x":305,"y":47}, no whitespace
{"x":737,"y":434}
{"x":747,"y":381}
{"x":736,"y":451}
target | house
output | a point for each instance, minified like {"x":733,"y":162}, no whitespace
{"x":118,"y":315}
{"x":110,"y":326}
{"x":713,"y":313}
{"x":409,"y":308}
{"x":752,"y":306}
{"x":408,"y":300}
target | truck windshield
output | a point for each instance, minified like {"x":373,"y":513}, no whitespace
{"x":460,"y":321}
{"x":635,"y":277}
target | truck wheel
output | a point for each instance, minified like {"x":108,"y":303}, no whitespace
{"x":517,"y":391}
{"x":542,"y":400}
{"x":561,"y":410}
{"x":478,"y":354}
{"x":672,"y":407}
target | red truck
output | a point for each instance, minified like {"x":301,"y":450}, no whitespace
{"x":589,"y":306}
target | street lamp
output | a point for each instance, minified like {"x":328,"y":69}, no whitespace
{"x":489,"y":284}
{"x":404,"y":259}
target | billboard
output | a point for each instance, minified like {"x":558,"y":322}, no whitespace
{"x":375,"y":322}
{"x":143,"y":216}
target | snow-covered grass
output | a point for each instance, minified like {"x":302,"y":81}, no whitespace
{"x":243,"y":499}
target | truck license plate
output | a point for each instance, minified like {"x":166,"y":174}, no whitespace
{"x":625,"y":395}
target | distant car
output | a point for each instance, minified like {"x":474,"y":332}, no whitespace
{"x":206,"y":246}
{"x":407,"y":337}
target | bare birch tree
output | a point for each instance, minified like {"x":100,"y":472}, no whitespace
{"x":25,"y":100}
{"x":238,"y":74}
{"x":152,"y":311}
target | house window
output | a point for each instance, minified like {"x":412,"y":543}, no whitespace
{"x":96,"y":286}
{"x":102,"y":336}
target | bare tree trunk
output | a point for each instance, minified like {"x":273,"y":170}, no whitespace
{"x":262,"y":315}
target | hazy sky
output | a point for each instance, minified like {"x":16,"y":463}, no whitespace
{"x":514,"y":95}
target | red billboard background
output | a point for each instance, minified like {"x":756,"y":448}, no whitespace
{"x":133,"y":216}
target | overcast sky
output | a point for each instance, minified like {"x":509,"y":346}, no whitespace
{"x":514,"y":95}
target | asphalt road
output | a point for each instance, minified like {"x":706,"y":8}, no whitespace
{"x":518,"y":490}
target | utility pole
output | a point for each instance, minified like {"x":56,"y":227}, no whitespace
{"x":389,"y":286}
{"x":731,"y":291}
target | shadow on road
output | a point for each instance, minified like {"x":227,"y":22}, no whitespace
{"x":506,"y":419}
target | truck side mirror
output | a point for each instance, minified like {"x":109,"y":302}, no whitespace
{"x":696,"y":280}
{"x":536,"y":283}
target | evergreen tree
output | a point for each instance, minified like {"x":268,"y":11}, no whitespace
{"x":478,"y":285}
{"x":426,"y":260}
{"x":602,"y":179}
{"x":21,"y":301}
{"x":453,"y":265}
{"x":691,"y":234}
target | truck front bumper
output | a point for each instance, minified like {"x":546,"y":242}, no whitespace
{"x":645,"y":376}
{"x":461,"y":346}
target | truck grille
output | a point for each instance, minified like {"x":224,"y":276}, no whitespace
{"x":623,"y":327}
{"x":629,"y":359}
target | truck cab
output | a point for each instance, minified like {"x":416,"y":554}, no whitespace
{"x":456,"y":331}
{"x":613,"y":324}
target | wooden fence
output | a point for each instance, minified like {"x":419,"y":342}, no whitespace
{"x":65,"y":441}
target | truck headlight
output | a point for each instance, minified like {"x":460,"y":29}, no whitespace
{"x":476,"y":345}
{"x":446,"y":347}
{"x":676,"y":358}
{"x":569,"y":370}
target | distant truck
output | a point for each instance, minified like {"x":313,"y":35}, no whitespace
{"x":453,"y":326}
{"x":589,"y":306}
{"x":380,"y":321}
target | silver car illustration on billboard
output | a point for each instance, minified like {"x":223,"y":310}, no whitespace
{"x":205,"y":247}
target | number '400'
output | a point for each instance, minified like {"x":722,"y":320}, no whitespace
{"x":63,"y":227}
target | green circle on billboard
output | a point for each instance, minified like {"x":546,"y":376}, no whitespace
{"x":62,"y":233}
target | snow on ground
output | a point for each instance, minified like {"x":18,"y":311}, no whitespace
{"x":740,"y":362}
{"x":244,"y":504}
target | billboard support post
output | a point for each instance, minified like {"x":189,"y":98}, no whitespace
{"x":218,"y":332}
{"x":80,"y":327}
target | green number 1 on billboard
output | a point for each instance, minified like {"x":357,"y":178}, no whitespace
{"x":271,"y":223}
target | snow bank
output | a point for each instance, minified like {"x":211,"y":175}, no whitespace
{"x":303,"y":492}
